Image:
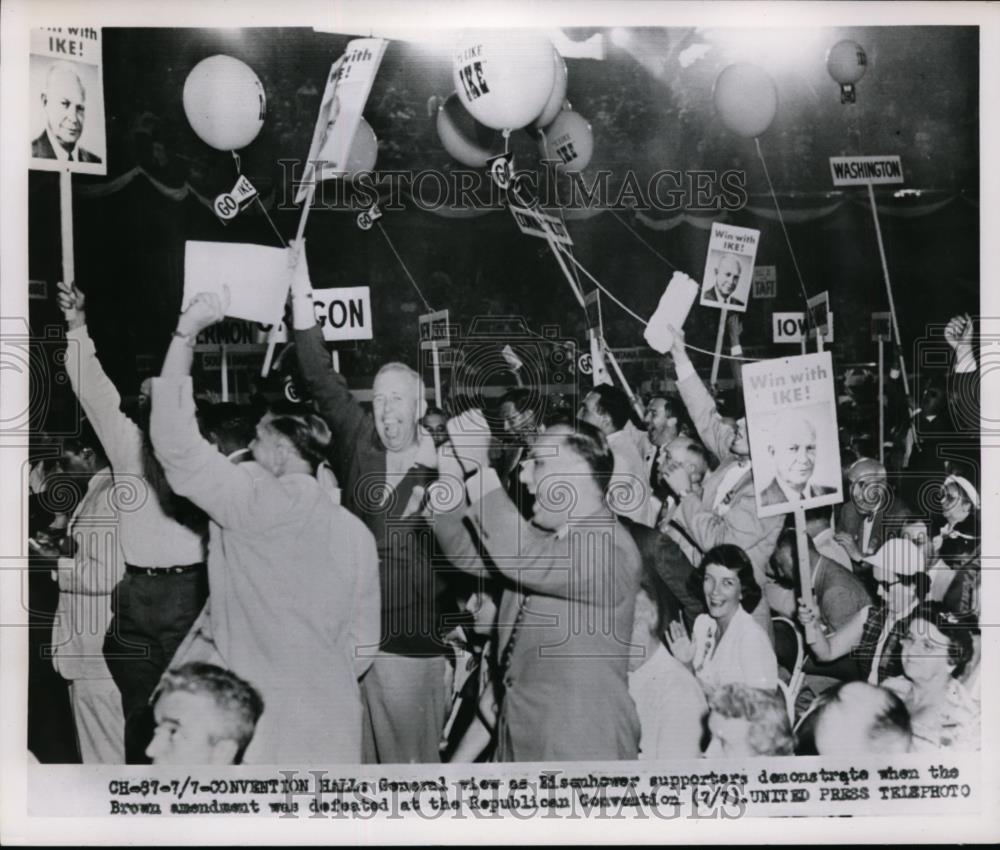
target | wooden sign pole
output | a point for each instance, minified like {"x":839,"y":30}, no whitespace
{"x":718,"y":346}
{"x":805,"y":568}
{"x":436,"y":362}
{"x":66,"y":224}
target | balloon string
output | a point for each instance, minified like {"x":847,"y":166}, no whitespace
{"x":788,"y":241}
{"x":562,"y":214}
{"x":506,"y":141}
{"x":274,"y":227}
{"x":625,"y":224}
{"x":239,"y":173}
{"x":642,"y":321}
{"x":405,"y":269}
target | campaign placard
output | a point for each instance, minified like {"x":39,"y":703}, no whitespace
{"x":862,"y":170}
{"x":343,"y":313}
{"x":791,"y":407}
{"x":66,"y":87}
{"x":729,"y":267}
{"x":765,"y":282}
{"x":819,"y":310}
{"x":434,"y":327}
{"x":257,"y":276}
{"x":347,"y":87}
{"x":792,"y":327}
{"x":537,"y":223}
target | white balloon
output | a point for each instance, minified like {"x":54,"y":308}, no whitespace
{"x":569,"y":140}
{"x":224,"y":102}
{"x":504,"y":78}
{"x":457,"y":131}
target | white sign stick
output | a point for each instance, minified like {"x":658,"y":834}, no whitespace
{"x":66,"y":223}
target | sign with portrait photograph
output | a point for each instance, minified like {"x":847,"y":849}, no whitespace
{"x":729,"y":267}
{"x":67,"y":100}
{"x":791,"y":406}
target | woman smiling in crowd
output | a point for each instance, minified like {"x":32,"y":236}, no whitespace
{"x":726,"y":646}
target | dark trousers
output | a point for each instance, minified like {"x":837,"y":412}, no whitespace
{"x":152,"y":615}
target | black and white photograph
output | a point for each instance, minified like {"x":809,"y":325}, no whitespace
{"x":635,"y":542}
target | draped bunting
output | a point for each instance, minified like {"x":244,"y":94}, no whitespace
{"x":801,"y":215}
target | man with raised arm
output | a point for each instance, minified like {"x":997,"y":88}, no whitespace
{"x":726,"y":509}
{"x":294,"y":576}
{"x":379,"y":459}
{"x":165,"y":583}
{"x":570,"y":578}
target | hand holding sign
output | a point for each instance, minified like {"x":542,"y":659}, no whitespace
{"x":959,"y":332}
{"x":205,"y":309}
{"x":71,"y":302}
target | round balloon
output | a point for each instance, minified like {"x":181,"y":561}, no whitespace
{"x":569,"y":140}
{"x":746,"y":99}
{"x":224,"y":102}
{"x":363,"y":152}
{"x":504,"y":78}
{"x":463,"y":137}
{"x":847,"y":62}
{"x":558,"y":96}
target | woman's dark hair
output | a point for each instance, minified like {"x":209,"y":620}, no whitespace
{"x":735,"y":559}
{"x":308,"y":433}
{"x":956,"y":631}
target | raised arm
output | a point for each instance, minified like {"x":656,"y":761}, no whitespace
{"x":734,"y":326}
{"x":234,"y":495}
{"x":120,"y":436}
{"x":334,"y":401}
{"x":963,"y":383}
{"x":714,"y":433}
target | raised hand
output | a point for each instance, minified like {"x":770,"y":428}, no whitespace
{"x":676,"y":478}
{"x":959,"y":331}
{"x":849,"y":544}
{"x":205,"y":310}
{"x":679,"y":643}
{"x":71,"y":302}
{"x":469,"y":439}
{"x":735,"y":327}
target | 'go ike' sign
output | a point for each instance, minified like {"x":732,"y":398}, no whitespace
{"x":862,"y":170}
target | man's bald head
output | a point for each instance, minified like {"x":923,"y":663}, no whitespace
{"x":64,"y":103}
{"x":869,"y":485}
{"x":727,"y":274}
{"x":793,"y":448}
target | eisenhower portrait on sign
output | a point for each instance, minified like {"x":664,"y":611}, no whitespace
{"x":727,"y":281}
{"x":67,"y":112}
{"x":796,"y":460}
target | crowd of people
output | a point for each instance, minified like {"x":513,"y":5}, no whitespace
{"x":511,"y":580}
